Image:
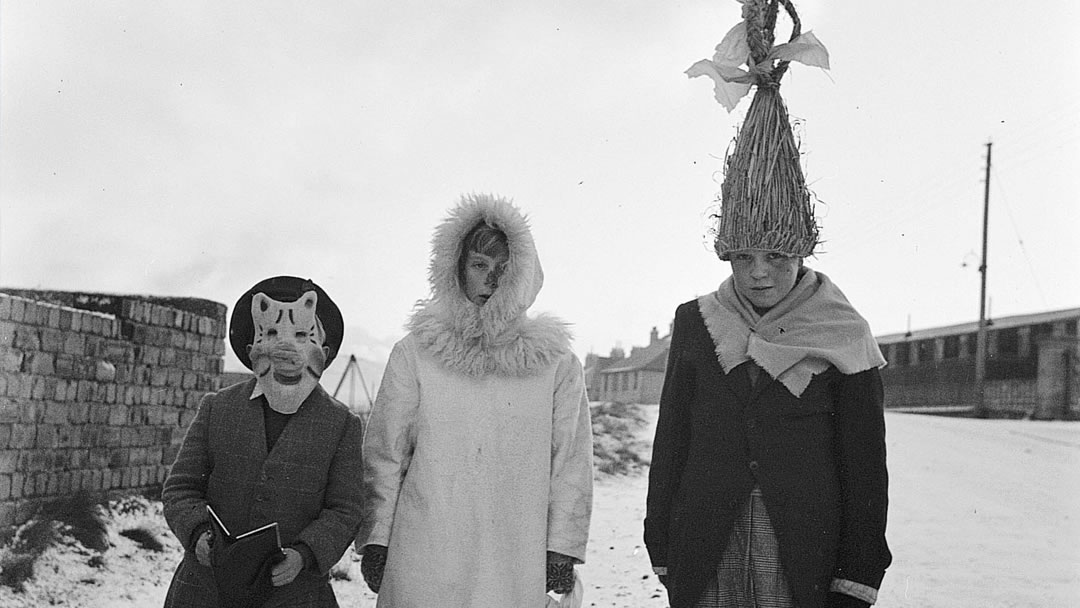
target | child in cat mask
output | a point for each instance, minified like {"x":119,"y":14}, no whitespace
{"x":275,"y":448}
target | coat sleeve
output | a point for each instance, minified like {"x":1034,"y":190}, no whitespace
{"x":338,"y":522}
{"x":388,"y":445}
{"x":671,"y":443}
{"x":183,"y":495}
{"x":570,"y":503}
{"x":860,"y":423}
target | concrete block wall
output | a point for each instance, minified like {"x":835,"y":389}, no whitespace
{"x":1011,"y":398}
{"x":97,"y":391}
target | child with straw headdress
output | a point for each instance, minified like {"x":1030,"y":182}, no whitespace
{"x":768,"y":484}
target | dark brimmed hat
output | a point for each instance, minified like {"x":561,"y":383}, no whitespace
{"x":284,"y":289}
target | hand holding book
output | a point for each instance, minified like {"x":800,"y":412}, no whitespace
{"x":286,"y":570}
{"x":202,"y":547}
{"x":242,"y":563}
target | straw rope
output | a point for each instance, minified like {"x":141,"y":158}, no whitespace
{"x":760,"y":17}
{"x":764,"y":200}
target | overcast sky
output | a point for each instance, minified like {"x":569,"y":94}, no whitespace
{"x":194,"y":148}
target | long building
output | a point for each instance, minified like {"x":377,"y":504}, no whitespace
{"x":1032,"y":367}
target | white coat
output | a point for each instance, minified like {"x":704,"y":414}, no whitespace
{"x":478,"y":453}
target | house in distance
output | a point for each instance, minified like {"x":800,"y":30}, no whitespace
{"x":634,"y":378}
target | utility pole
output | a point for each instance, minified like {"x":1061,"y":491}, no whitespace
{"x":980,"y":336}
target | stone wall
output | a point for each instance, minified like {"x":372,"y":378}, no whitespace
{"x":1011,"y":398}
{"x":97,"y":390}
{"x":1058,"y":388}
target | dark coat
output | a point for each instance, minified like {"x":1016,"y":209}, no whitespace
{"x":310,"y":483}
{"x":819,"y":460}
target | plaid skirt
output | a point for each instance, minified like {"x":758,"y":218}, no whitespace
{"x":749,"y":574}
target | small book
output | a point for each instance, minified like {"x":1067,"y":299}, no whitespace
{"x":242,"y":563}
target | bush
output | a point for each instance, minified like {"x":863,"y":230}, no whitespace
{"x":145,"y":538}
{"x":83,"y":519}
{"x":617,"y":448}
{"x":78,"y":517}
{"x":17,"y":559}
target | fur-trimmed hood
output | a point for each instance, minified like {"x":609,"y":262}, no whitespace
{"x":498,"y":337}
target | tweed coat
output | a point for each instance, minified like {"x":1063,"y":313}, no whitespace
{"x":819,"y":460}
{"x":308,"y":483}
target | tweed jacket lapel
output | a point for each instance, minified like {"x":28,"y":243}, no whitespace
{"x":251,"y":428}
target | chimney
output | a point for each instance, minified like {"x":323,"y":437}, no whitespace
{"x":653,"y":336}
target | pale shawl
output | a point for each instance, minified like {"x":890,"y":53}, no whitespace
{"x":813,"y":327}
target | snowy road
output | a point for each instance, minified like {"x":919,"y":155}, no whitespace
{"x":983,"y":514}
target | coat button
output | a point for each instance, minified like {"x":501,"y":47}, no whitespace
{"x":751,"y":423}
{"x":753,"y":465}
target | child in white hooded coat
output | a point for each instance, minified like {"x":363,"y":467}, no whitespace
{"x":478,"y":453}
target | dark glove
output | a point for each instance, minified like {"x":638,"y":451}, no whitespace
{"x":372,"y":565}
{"x":560,"y":573}
{"x":843,"y":600}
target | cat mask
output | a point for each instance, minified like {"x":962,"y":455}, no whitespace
{"x":288,"y":353}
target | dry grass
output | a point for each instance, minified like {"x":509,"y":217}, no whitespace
{"x":81,"y":523}
{"x":145,"y":538}
{"x":764,"y":200}
{"x":82,"y":518}
{"x":78,"y":518}
{"x":617,"y":448}
{"x":17,"y":559}
{"x":765,"y":203}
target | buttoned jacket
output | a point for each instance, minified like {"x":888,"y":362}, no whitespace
{"x":309,"y":483}
{"x":819,"y":460}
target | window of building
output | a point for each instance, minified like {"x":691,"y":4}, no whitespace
{"x":1042,"y":329}
{"x":952,"y":347}
{"x":1008,"y":342}
{"x":901,"y":355}
{"x":972,"y":344}
{"x":925,"y":350}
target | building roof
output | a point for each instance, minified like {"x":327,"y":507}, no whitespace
{"x":652,"y":357}
{"x":1067,"y":314}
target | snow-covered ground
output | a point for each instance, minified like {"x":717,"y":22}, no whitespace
{"x":984,"y":513}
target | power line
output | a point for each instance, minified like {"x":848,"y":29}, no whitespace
{"x":1019,"y":239}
